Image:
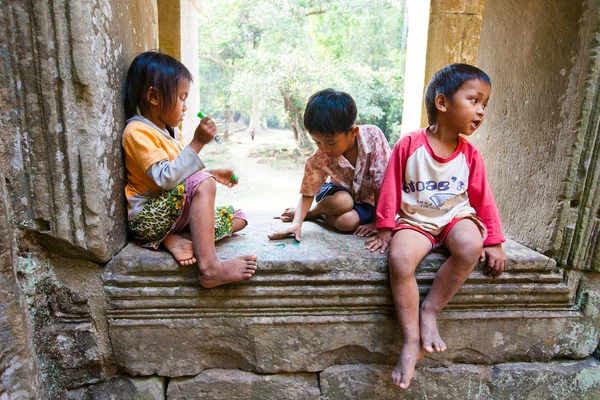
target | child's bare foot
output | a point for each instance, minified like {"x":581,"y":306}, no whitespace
{"x":219,"y":272}
{"x":181,"y":248}
{"x":405,"y":368}
{"x":288,"y":215}
{"x":430,"y":337}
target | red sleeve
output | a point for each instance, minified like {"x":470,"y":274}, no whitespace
{"x":390,"y":195}
{"x":482,"y":199}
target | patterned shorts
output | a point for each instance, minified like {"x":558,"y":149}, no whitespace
{"x":163,"y":215}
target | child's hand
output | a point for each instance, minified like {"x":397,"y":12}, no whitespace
{"x":206,"y":131}
{"x":496,"y":260}
{"x":224,"y":176}
{"x":294,"y":229}
{"x":366,"y":230}
{"x":380,"y":241}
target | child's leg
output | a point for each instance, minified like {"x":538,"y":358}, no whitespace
{"x":180,"y":246}
{"x":338,"y":203}
{"x":212,"y":271}
{"x":239,"y":220}
{"x":407,"y":249}
{"x":465,"y":245}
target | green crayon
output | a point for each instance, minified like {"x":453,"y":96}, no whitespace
{"x":234,"y":178}
{"x":200,"y":115}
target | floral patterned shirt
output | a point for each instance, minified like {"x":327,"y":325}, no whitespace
{"x":360,"y":180}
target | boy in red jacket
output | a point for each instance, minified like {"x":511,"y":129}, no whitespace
{"x":436,"y":184}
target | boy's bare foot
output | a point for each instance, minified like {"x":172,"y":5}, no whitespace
{"x":181,"y":248}
{"x":405,"y":368}
{"x":219,"y":272}
{"x":288,"y":215}
{"x":430,"y":337}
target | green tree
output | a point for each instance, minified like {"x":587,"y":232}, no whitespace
{"x":278,"y":52}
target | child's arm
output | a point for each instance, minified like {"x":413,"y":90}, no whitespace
{"x":482,"y":200}
{"x":380,"y":242}
{"x":204,"y":133}
{"x":368,"y":229}
{"x":295,"y":228}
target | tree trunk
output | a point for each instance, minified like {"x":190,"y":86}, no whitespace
{"x":226,"y":134}
{"x":294,"y":117}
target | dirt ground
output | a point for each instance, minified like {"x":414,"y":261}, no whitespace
{"x":269,"y":170}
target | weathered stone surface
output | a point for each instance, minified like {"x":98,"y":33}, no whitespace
{"x":362,"y":381}
{"x":326,"y":301}
{"x":218,"y":384}
{"x":531,"y":146}
{"x":554,"y":380}
{"x":122,"y":388}
{"x":64,"y":334}
{"x":19,"y":377}
{"x":63,"y":101}
{"x":558,"y":380}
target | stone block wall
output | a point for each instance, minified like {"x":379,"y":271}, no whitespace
{"x":62,"y":178}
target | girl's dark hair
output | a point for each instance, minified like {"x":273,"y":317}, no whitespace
{"x":447,"y":81}
{"x":153,"y":69}
{"x":330,"y":112}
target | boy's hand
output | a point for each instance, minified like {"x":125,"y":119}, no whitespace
{"x":380,"y":241}
{"x":224,"y":176}
{"x":294,"y":229}
{"x":366,"y":230}
{"x":206,"y":131}
{"x":496,"y":260}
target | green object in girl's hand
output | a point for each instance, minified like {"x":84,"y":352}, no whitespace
{"x":200,"y":115}
{"x":234,"y":179}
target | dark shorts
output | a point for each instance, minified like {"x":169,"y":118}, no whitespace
{"x":366,"y":212}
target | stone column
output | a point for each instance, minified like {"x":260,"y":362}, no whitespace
{"x":65,"y":64}
{"x":416,"y":57}
{"x":454,"y":29}
{"x":178,"y":37}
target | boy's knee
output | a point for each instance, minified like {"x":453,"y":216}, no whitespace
{"x":402,"y":265}
{"x":343,"y":201}
{"x":468,"y":249}
{"x":347,"y":222}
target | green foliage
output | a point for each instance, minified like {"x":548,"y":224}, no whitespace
{"x":256,"y":54}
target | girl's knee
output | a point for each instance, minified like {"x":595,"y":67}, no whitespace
{"x":206,"y":187}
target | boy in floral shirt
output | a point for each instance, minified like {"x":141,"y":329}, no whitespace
{"x":344,"y":173}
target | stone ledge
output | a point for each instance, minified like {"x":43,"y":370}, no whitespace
{"x":324,"y":302}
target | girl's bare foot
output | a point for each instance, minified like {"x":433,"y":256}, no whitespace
{"x":219,"y":272}
{"x":430,"y":337}
{"x":288,"y":215}
{"x":405,"y":368}
{"x":181,"y":248}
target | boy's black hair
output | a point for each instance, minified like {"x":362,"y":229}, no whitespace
{"x":447,"y":81}
{"x":330,"y":112}
{"x":153,"y":69}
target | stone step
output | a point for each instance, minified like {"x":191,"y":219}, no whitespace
{"x":326,"y":301}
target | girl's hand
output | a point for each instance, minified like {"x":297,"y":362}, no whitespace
{"x":294,"y":229}
{"x":366,"y":230}
{"x":224,"y":176}
{"x":380,"y":242}
{"x":206,"y":131}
